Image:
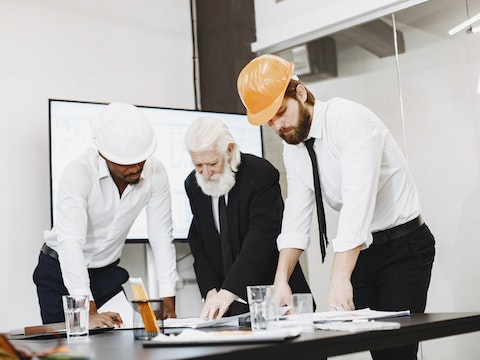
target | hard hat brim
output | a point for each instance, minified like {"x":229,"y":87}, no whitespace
{"x":266,"y":114}
{"x":130,"y":160}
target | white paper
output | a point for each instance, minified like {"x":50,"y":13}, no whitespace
{"x":196,"y":323}
{"x":189,"y":336}
{"x":121,"y":305}
{"x":362,"y":314}
{"x":358,"y":326}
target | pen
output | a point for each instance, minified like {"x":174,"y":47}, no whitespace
{"x":336,"y":321}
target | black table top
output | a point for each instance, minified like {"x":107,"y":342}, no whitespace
{"x":119,"y":344}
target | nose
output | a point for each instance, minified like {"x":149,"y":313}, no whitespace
{"x":206,"y":171}
{"x":137,"y":167}
{"x":275,"y":123}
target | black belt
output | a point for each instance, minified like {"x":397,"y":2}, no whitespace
{"x":380,"y":237}
{"x":53,"y":254}
{"x":49,"y":251}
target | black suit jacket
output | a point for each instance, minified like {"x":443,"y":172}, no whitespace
{"x":255,"y":208}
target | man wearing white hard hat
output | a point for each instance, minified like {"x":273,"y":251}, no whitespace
{"x":99,"y":197}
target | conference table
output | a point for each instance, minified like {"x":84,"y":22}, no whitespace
{"x":119,"y":344}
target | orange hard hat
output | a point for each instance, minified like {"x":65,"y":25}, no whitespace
{"x":261,"y":85}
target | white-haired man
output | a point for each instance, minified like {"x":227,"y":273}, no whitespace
{"x":251,"y":190}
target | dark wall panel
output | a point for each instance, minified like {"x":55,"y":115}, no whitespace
{"x":225,"y":30}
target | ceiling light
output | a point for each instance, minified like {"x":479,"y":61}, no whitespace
{"x":464,"y":24}
{"x":476,"y":29}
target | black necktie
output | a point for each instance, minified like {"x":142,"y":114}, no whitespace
{"x":225,"y":241}
{"x":322,"y":226}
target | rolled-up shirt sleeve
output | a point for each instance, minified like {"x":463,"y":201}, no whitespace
{"x":71,"y":228}
{"x":300,"y":202}
{"x":361,"y":141}
{"x":160,"y":231}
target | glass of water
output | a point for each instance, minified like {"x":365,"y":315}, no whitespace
{"x":262,"y":304}
{"x":76,"y":309}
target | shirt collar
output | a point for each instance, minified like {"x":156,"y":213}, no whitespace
{"x":316,"y":129}
{"x":103,"y":170}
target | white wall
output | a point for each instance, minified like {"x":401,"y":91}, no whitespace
{"x":111,"y":50}
{"x":439,"y":77}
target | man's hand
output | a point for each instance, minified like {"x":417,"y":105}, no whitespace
{"x":287,"y":261}
{"x":106,"y":319}
{"x":283,"y":294}
{"x":216,"y":304}
{"x":340,"y":295}
{"x":169,"y":307}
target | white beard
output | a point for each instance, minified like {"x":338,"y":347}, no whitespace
{"x":218,"y":184}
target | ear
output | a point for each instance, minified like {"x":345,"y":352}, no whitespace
{"x":301,"y":93}
{"x":230,"y":149}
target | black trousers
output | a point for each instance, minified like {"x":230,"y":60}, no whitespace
{"x":395,"y":276}
{"x":105,"y":283}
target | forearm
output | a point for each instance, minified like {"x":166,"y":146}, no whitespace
{"x":344,"y":264}
{"x":340,"y":296}
{"x":287,"y":261}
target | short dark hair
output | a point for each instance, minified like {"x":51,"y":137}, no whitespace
{"x":292,"y":91}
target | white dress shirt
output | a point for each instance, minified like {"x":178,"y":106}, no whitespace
{"x":363,"y":175}
{"x":92,"y":220}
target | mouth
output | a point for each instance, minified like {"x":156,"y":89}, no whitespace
{"x":285,"y":131}
{"x":133,"y":177}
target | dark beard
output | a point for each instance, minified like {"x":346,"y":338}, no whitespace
{"x":300,"y":132}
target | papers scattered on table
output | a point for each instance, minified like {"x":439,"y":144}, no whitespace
{"x":358,"y":326}
{"x":199,"y":337}
{"x":288,"y":322}
{"x":362,"y":314}
{"x":352,"y":321}
{"x":196,"y":323}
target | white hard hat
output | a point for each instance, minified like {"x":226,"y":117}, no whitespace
{"x":123,"y":134}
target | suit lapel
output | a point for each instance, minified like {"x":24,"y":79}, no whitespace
{"x":205,"y":207}
{"x":233,"y":211}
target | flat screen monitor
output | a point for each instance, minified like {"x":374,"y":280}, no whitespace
{"x":70,"y":136}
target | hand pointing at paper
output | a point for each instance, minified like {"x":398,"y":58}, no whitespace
{"x":216,"y":304}
{"x":340,"y":296}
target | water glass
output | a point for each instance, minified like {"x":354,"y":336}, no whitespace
{"x":302,"y":303}
{"x":263,"y":307}
{"x":76,"y":309}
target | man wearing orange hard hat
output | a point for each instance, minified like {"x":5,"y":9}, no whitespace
{"x":383,"y":251}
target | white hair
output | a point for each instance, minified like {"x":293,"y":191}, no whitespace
{"x":209,"y":133}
